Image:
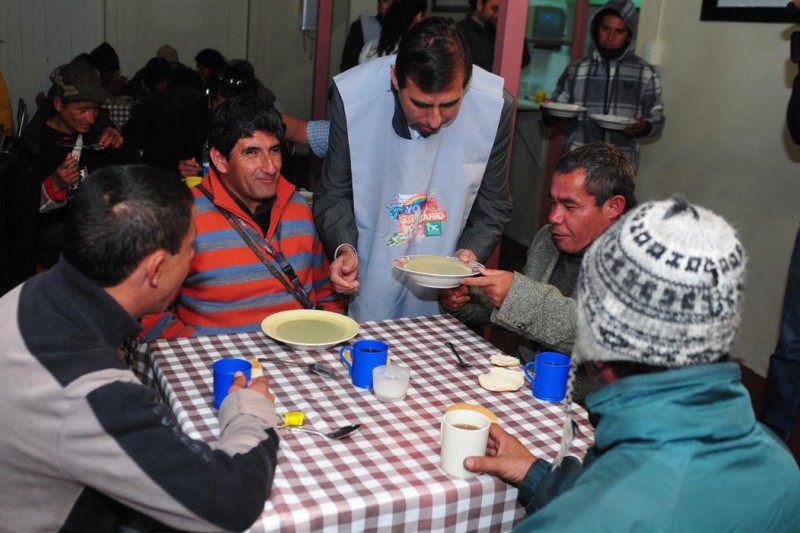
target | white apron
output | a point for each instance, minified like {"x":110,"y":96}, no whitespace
{"x":410,"y":196}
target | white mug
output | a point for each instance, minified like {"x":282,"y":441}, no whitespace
{"x":464,"y":434}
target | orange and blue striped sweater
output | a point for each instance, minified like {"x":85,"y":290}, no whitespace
{"x":228,"y":289}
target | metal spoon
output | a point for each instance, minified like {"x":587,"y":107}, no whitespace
{"x":338,"y":434}
{"x":94,"y":146}
{"x":315,"y":368}
{"x":461,"y":363}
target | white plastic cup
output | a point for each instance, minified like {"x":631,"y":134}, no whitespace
{"x":464,"y":434}
{"x":390,"y":382}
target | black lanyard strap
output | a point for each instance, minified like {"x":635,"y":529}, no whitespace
{"x":286,"y":274}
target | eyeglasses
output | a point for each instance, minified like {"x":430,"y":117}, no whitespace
{"x":232,"y":82}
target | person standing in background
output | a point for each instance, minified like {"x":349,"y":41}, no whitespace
{"x":480,"y":30}
{"x":363,"y":30}
{"x":399,"y":18}
{"x":782,"y":391}
{"x":612,"y":80}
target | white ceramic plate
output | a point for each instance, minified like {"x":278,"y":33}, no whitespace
{"x":436,"y":271}
{"x":563,"y":110}
{"x":612,"y":122}
{"x":309,"y":329}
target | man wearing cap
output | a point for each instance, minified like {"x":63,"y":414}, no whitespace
{"x":677,"y":446}
{"x":591,"y":188}
{"x":67,"y":138}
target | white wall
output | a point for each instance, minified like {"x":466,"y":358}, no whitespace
{"x":40,"y":35}
{"x":138,"y":28}
{"x":725,"y":145}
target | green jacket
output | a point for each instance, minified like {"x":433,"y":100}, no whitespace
{"x":678,"y":450}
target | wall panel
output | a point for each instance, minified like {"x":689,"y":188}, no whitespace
{"x":39,"y":35}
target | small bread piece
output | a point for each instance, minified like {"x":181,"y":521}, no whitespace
{"x":256,"y":371}
{"x":477,"y":408}
{"x":501,"y":380}
{"x":499,"y":359}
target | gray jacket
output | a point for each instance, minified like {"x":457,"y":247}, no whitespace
{"x":532,"y":309}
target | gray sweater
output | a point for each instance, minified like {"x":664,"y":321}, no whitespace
{"x":533,"y":308}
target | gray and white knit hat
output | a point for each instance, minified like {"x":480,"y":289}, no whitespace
{"x":663,"y":287}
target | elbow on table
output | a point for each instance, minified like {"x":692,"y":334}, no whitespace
{"x":240,"y":493}
{"x":240,"y":514}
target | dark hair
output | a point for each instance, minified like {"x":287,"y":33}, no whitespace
{"x":608,"y":171}
{"x":120,"y":215}
{"x":104,"y":58}
{"x":212,"y":59}
{"x":237,"y":78}
{"x":433,"y":54}
{"x":397,"y":22}
{"x":598,"y":17}
{"x":623,"y":369}
{"x":241,"y":117}
{"x":156,"y":70}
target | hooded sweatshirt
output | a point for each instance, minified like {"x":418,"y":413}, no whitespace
{"x":625,"y":86}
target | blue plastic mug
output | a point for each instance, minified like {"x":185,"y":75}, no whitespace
{"x":550,"y":371}
{"x":364,"y":356}
{"x":224,"y":369}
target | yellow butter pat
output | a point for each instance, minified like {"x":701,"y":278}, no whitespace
{"x":294,"y":418}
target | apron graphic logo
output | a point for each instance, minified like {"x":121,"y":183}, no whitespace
{"x":415,"y":216}
{"x":433,"y":229}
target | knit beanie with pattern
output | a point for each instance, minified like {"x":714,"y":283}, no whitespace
{"x":663,"y":287}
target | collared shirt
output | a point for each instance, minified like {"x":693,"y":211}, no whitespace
{"x":318,"y":131}
{"x":263,"y":211}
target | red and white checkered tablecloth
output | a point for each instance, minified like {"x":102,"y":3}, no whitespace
{"x":119,"y":110}
{"x":386,"y":475}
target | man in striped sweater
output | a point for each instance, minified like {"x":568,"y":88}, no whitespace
{"x":229,"y":288}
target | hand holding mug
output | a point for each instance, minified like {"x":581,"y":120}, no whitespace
{"x":225,"y":375}
{"x":506,"y":457}
{"x":259,"y":384}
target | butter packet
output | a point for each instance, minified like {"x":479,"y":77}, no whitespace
{"x":293,"y":419}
